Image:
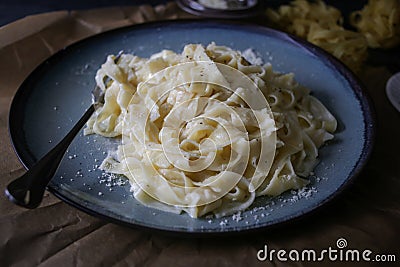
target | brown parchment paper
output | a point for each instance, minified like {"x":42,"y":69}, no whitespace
{"x":367,"y":214}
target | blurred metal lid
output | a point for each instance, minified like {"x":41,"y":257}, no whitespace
{"x":228,"y":9}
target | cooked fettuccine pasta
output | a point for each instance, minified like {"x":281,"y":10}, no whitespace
{"x":206,"y":132}
{"x":379,"y":21}
{"x":321,"y":25}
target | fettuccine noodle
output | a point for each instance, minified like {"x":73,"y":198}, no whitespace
{"x":321,"y":25}
{"x":205,"y":132}
{"x":379,"y":22}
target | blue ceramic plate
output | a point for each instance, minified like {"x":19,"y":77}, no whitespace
{"x":58,"y":92}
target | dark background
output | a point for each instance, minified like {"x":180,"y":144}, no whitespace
{"x":11,"y":10}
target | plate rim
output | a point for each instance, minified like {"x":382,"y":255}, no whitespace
{"x":361,"y":94}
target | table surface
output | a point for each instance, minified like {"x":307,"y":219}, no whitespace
{"x":367,"y":214}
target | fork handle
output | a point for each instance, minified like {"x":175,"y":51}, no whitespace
{"x":28,"y":190}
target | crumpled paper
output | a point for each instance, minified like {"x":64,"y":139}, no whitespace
{"x":367,"y":214}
